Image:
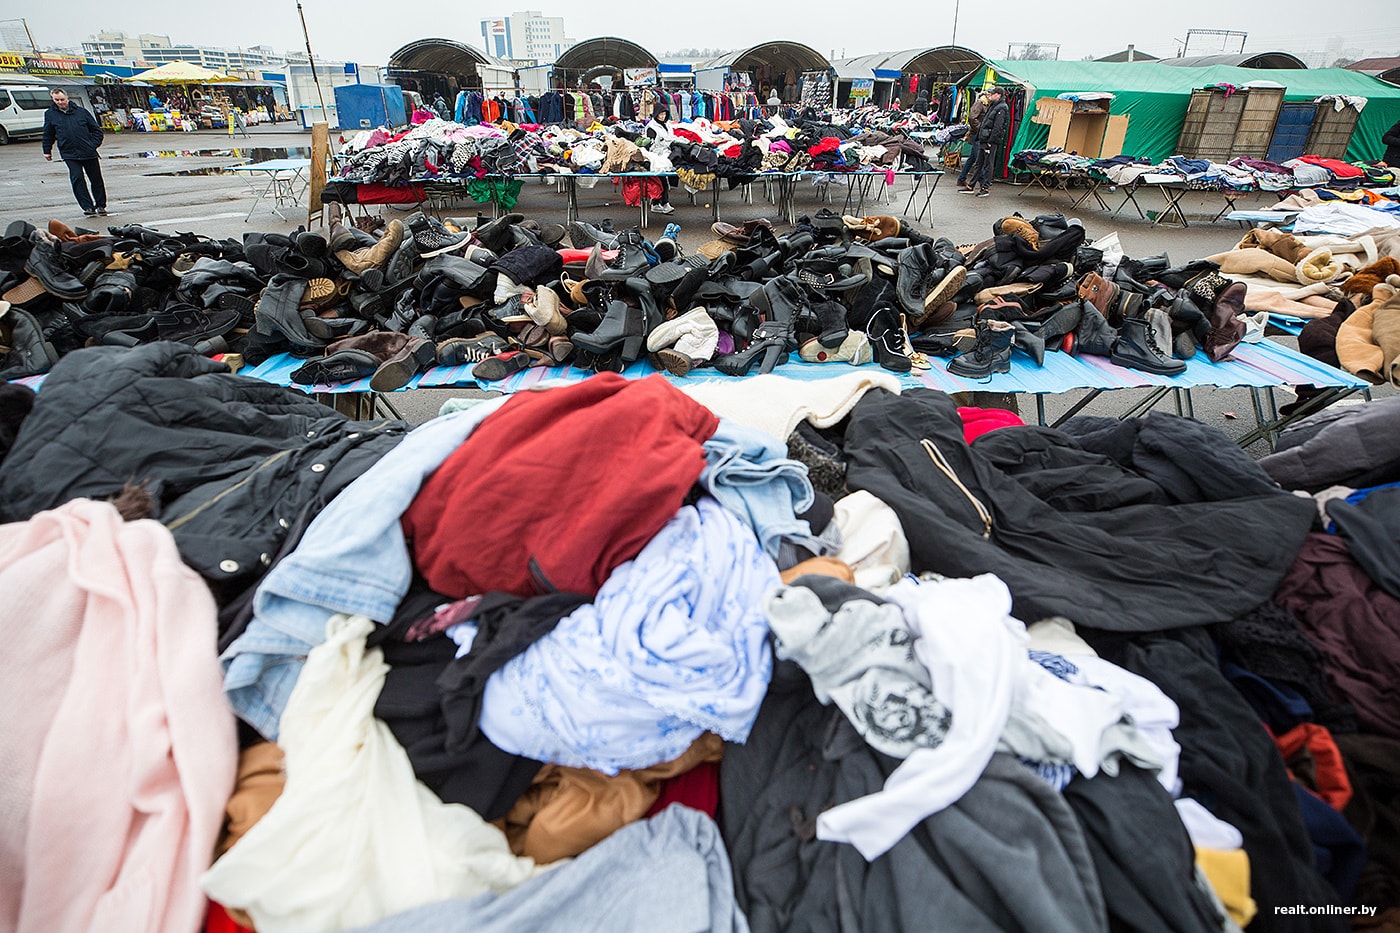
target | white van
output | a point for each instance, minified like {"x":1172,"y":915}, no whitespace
{"x":22,"y":109}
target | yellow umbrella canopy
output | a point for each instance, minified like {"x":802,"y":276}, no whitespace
{"x":180,"y":73}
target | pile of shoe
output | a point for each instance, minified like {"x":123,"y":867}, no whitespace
{"x":753,"y":302}
{"x":313,"y":296}
{"x":505,"y":295}
{"x":1037,"y":285}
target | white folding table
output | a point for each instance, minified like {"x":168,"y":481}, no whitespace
{"x":286,"y":183}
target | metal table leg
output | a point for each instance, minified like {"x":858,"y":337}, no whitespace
{"x":1173,"y":198}
{"x":1077,"y":407}
{"x":571,"y":198}
{"x":1315,"y":404}
{"x":1130,"y":196}
{"x":1145,"y":404}
{"x":913,"y":192}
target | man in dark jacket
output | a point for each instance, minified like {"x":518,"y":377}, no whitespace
{"x":990,"y":136}
{"x":78,"y":137}
{"x":1391,"y":138}
{"x":974,"y":124}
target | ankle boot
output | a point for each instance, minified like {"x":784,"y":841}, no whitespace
{"x":29,"y":354}
{"x":279,"y":313}
{"x":831,"y":323}
{"x":1137,"y":348}
{"x":497,"y":235}
{"x":769,"y":348}
{"x":44,"y":264}
{"x":909,"y":232}
{"x":887,"y":340}
{"x":991,"y":353}
{"x":621,"y":324}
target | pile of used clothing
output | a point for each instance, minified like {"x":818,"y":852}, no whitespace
{"x":1239,"y":174}
{"x":732,"y":149}
{"x":1347,"y":288}
{"x":805,"y":657}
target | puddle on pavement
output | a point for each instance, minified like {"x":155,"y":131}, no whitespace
{"x":244,"y":154}
{"x":251,"y":153}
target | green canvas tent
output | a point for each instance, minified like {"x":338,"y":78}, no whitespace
{"x":1155,"y":97}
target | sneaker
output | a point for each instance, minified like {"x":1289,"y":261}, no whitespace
{"x":672,"y":231}
{"x":985,"y":193}
{"x":663,"y":208}
{"x":967,"y":191}
{"x":89,"y":213}
{"x":459,"y":351}
{"x":102,"y":212}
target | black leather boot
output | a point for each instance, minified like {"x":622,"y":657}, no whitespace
{"x":1029,"y":342}
{"x":769,"y":348}
{"x":887,"y":340}
{"x":991,"y":353}
{"x":1063,"y":320}
{"x":622,"y":324}
{"x":1136,"y":348}
{"x":279,"y":312}
{"x":29,"y":354}
{"x":1093,"y":335}
{"x":651,"y":317}
{"x":498,"y":235}
{"x":44,"y":264}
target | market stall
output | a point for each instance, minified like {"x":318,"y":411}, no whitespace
{"x":445,"y":66}
{"x":583,"y":63}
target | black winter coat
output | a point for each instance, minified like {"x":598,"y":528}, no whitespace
{"x":1391,"y":138}
{"x":75,"y":130}
{"x":231,"y":462}
{"x":994,"y":124}
{"x":1080,"y":549}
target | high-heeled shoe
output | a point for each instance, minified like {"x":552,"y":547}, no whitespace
{"x":769,"y":349}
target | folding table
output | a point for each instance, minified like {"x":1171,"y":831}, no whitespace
{"x":286,"y":183}
{"x":1260,"y":367}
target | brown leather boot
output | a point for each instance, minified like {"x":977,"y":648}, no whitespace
{"x":400,"y":356}
{"x":373,"y":257}
{"x":1226,"y":327}
{"x":67,"y":234}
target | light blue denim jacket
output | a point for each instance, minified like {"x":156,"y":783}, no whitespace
{"x":352,"y":559}
{"x":749,"y":472}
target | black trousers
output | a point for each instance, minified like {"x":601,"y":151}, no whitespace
{"x":93,"y":168}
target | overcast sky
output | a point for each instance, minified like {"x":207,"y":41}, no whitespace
{"x":368,"y":31}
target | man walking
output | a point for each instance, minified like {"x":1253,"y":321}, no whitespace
{"x":989,"y":139}
{"x":974,"y":124}
{"x":78,"y":137}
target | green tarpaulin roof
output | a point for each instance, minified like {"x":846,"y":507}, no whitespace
{"x":1155,"y":98}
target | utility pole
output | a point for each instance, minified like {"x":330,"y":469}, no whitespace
{"x":311,"y":60}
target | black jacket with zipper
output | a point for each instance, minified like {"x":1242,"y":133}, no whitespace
{"x":994,"y":123}
{"x":1078,"y":550}
{"x":76,"y":132}
{"x":230,"y":461}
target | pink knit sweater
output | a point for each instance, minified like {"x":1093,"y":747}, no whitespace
{"x":117,"y":751}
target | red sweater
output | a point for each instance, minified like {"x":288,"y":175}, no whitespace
{"x":558,"y":488}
